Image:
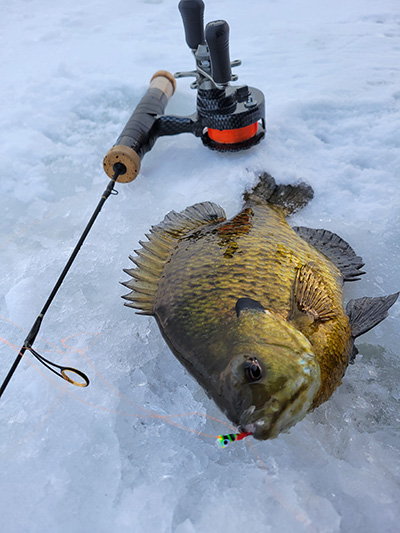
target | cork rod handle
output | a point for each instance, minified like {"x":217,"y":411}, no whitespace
{"x":136,"y":138}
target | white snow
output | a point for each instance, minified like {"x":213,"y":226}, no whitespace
{"x":113,"y":457}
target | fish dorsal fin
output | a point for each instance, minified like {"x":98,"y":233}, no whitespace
{"x":366,"y":313}
{"x":336,"y":249}
{"x":290,"y":198}
{"x":155,"y":252}
{"x":176,"y":225}
{"x":310,"y":297}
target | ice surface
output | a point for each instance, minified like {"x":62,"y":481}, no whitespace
{"x":113,"y":457}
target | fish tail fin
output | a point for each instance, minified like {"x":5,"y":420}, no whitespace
{"x":290,"y":198}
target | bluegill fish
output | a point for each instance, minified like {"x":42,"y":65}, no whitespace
{"x":254,"y":308}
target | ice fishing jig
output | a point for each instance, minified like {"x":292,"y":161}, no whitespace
{"x":228,"y":118}
{"x":224,"y":440}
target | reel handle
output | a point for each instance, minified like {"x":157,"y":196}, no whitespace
{"x":217,"y":37}
{"x":136,"y":138}
{"x":192,"y":12}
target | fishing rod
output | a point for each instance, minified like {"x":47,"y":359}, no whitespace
{"x":61,"y":371}
{"x":227,"y":119}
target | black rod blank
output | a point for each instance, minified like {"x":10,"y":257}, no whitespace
{"x":30,"y":339}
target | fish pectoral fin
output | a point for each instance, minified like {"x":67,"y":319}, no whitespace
{"x":336,"y":249}
{"x":151,"y":258}
{"x":366,"y":313}
{"x":310,"y":297}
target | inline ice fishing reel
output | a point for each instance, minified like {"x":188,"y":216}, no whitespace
{"x":227,"y":118}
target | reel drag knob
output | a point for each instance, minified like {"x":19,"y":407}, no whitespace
{"x":192,"y":12}
{"x":217,"y":37}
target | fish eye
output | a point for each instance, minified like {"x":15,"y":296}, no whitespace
{"x":252,"y":369}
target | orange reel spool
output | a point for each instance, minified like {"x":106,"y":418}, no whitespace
{"x":233,"y":136}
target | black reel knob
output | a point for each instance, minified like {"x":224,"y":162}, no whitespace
{"x":217,"y":37}
{"x":192,"y":12}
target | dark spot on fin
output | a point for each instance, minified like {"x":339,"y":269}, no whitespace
{"x":248,"y":304}
{"x":290,"y":198}
{"x":311,"y":296}
{"x":336,"y":249}
{"x":366,"y":313}
{"x":153,"y":255}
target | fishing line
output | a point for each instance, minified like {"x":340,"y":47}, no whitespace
{"x":25,"y":228}
{"x":119,"y":169}
{"x":65,"y":372}
{"x":291,"y":507}
{"x":149,"y":413}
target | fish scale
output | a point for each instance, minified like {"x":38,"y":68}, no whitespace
{"x":250,"y":272}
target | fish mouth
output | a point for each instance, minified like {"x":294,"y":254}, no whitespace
{"x":265,"y":427}
{"x":288,"y":403}
{"x":276,"y":416}
{"x":262,"y":429}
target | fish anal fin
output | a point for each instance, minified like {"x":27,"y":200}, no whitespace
{"x":366,"y":313}
{"x":336,"y":249}
{"x":310,"y":297}
{"x":151,"y":258}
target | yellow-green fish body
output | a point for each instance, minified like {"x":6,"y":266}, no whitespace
{"x":252,"y":309}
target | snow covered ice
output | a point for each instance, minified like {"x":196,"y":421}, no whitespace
{"x":113,"y":457}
